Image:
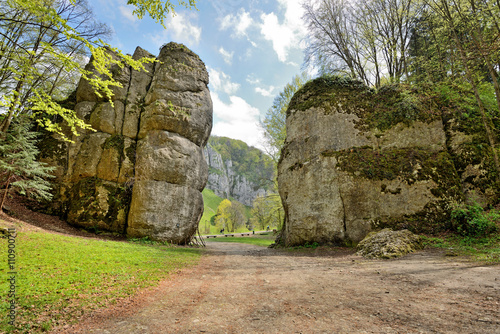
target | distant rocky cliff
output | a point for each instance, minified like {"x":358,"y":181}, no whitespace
{"x":143,"y":170}
{"x":355,"y":160}
{"x":236,"y":170}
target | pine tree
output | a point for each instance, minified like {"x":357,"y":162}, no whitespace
{"x":19,"y":168}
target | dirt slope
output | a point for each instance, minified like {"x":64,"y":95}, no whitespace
{"x":248,"y":289}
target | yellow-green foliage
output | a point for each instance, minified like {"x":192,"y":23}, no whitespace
{"x":25,"y":62}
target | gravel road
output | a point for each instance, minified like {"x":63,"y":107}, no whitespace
{"x":240,"y":288}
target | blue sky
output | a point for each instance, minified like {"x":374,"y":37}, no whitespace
{"x":251,"y":49}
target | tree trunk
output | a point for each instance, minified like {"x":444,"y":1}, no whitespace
{"x":484,"y":117}
{"x":6,"y":190}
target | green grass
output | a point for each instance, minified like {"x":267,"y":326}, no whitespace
{"x":258,"y":240}
{"x":486,"y":249}
{"x":211,"y":202}
{"x":60,"y":278}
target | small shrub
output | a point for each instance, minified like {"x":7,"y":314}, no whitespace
{"x":473,"y":221}
{"x":314,"y":245}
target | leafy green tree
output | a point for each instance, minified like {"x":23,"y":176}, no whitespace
{"x":157,"y":9}
{"x":222,"y":215}
{"x":19,"y":168}
{"x":237,"y":216}
{"x":230,"y":215}
{"x":274,"y":122}
{"x":473,"y":28}
{"x":22,"y":67}
{"x":268,"y":211}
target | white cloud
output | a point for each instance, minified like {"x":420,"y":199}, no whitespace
{"x":293,"y":13}
{"x":238,"y":120}
{"x":226,"y":55}
{"x":251,"y":79}
{"x":260,"y":88}
{"x":280,"y":35}
{"x":265,"y":92}
{"x":127,"y":13}
{"x":244,"y":22}
{"x":238,"y":23}
{"x":181,"y":29}
{"x":286,"y":35}
{"x":221,"y":82}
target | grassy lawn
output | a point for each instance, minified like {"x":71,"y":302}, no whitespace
{"x":478,"y":249}
{"x":211,"y":202}
{"x":59,"y":278}
{"x":259,"y":240}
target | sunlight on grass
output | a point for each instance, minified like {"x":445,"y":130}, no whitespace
{"x":258,"y":241}
{"x":486,"y":249}
{"x":59,"y":278}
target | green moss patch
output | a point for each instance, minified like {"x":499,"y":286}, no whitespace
{"x":408,"y":164}
{"x":432,"y":219}
{"x":328,"y":92}
{"x":116,"y":142}
{"x":131,"y":152}
{"x":53,"y":149}
{"x":382,"y":109}
{"x":84,"y":198}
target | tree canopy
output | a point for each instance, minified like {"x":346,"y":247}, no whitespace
{"x":230,"y":215}
{"x":42,"y":39}
{"x":274,"y":122}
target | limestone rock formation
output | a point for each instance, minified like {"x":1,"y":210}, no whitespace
{"x":355,"y":160}
{"x":142,"y":171}
{"x":388,"y":244}
{"x":226,"y":181}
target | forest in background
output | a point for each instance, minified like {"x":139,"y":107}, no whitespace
{"x":229,"y":214}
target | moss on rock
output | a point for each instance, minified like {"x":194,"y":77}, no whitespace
{"x":382,"y":109}
{"x":97,"y":204}
{"x":408,"y":164}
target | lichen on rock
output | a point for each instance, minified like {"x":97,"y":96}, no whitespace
{"x":356,"y":160}
{"x":142,"y":172}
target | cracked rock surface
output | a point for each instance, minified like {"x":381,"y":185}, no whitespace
{"x":142,"y":171}
{"x":340,"y":177}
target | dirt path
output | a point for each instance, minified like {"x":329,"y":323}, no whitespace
{"x":248,"y":289}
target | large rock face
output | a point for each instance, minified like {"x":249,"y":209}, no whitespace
{"x":233,"y":175}
{"x":226,"y":183}
{"x":355,"y":160}
{"x":143,"y":170}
